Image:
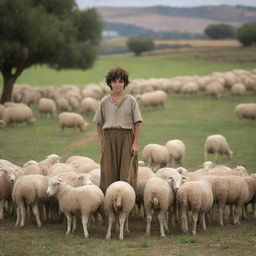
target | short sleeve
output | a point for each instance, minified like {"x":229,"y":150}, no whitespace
{"x":136,"y":112}
{"x":98,"y":118}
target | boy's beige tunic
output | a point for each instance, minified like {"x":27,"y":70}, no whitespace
{"x":117,"y":120}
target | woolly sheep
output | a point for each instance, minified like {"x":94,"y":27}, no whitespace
{"x":238,"y":89}
{"x":214,"y":89}
{"x":190,"y":88}
{"x":196,"y":196}
{"x":85,"y":200}
{"x":47,"y":106}
{"x":119,"y":199}
{"x":63,"y":104}
{"x":48,"y":162}
{"x":155,"y":156}
{"x":94,"y":176}
{"x":89,"y":105}
{"x":217,"y":144}
{"x":232,"y":190}
{"x":70,"y":120}
{"x":87,"y":167}
{"x":158,"y":196}
{"x":176,"y":149}
{"x":7,"y":178}
{"x":29,"y":190}
{"x":151,"y":99}
{"x":17,"y":114}
{"x":246,"y":110}
{"x":222,"y":170}
{"x":59,"y":168}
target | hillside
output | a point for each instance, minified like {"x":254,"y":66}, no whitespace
{"x":188,"y":20}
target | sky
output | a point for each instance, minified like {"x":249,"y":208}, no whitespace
{"x":178,"y":3}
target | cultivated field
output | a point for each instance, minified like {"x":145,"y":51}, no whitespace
{"x":190,"y":119}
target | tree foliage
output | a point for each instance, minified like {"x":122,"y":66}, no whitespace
{"x":220,"y":31}
{"x":247,"y":34}
{"x":140,"y":44}
{"x":52,"y":32}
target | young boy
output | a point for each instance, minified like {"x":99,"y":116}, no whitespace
{"x":118,"y":124}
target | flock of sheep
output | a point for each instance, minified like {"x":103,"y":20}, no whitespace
{"x":71,"y":102}
{"x":50,"y":188}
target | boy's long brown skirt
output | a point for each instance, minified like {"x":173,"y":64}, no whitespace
{"x":117,"y":162}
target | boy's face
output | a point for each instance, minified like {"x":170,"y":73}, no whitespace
{"x":117,"y":85}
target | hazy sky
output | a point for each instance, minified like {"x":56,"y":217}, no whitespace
{"x":178,"y":3}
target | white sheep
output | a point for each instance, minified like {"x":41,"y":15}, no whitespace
{"x":176,"y":149}
{"x":29,"y":190}
{"x":71,"y":120}
{"x":238,"y":89}
{"x":85,"y":200}
{"x":7,"y":178}
{"x":217,"y":144}
{"x":59,"y":168}
{"x":246,"y":110}
{"x":89,"y":105}
{"x":214,"y":89}
{"x":48,"y":162}
{"x":47,"y":106}
{"x":190,"y":88}
{"x":196,"y":196}
{"x":155,"y":156}
{"x":158,"y":196}
{"x":152,"y":99}
{"x":17,"y":114}
{"x":119,"y":199}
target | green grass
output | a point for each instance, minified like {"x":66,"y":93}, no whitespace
{"x":190,"y":119}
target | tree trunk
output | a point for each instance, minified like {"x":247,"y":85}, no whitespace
{"x":9,"y":81}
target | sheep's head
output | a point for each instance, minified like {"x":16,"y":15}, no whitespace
{"x":208,"y":165}
{"x":176,"y":181}
{"x":54,"y":158}
{"x":53,"y":186}
{"x":9,"y":173}
{"x":182,"y":170}
{"x":230,"y":154}
{"x":85,"y":179}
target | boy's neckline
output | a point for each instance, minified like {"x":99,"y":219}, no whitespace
{"x":119,"y":101}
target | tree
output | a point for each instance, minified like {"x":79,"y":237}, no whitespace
{"x":51,"y":32}
{"x":220,"y":31}
{"x":247,"y":34}
{"x":140,"y":44}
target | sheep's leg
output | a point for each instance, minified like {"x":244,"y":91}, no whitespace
{"x":74,"y":224}
{"x":2,"y":202}
{"x":215,"y":156}
{"x":202,"y":219}
{"x":111,"y":220}
{"x":69,"y":221}
{"x":195,"y":219}
{"x":37,"y":215}
{"x":205,"y":155}
{"x":237,"y":213}
{"x":23,"y":213}
{"x":161,"y":218}
{"x":184,"y":220}
{"x":149,"y":219}
{"x":127,"y":226}
{"x":85,"y":221}
{"x":18,"y":218}
{"x":245,"y":211}
{"x":122,"y":218}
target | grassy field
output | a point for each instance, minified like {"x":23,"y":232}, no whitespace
{"x":190,"y":119}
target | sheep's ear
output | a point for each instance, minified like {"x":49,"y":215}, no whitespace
{"x":59,"y":181}
{"x":3,"y":170}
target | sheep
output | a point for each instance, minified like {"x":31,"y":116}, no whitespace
{"x":214,"y":89}
{"x":29,"y":190}
{"x":196,"y":196}
{"x":151,"y":99}
{"x":158,"y":196}
{"x":238,"y":89}
{"x":119,"y":199}
{"x":70,"y":120}
{"x":176,"y":149}
{"x":47,"y":106}
{"x":48,"y":162}
{"x":7,"y":178}
{"x":17,"y":114}
{"x":94,"y":176}
{"x":232,"y":190}
{"x":85,"y":200}
{"x":63,"y":104}
{"x":74,"y":158}
{"x":6,"y":163}
{"x":217,"y":144}
{"x":89,"y":105}
{"x":190,"y":88}
{"x":144,"y":173}
{"x":87,"y":167}
{"x":246,"y":110}
{"x":155,"y":156}
{"x":59,"y":168}
{"x":222,"y":170}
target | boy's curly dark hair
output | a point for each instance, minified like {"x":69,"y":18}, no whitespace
{"x":117,"y":73}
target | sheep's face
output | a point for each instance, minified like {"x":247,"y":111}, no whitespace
{"x":176,"y":181}
{"x":85,"y":179}
{"x":9,"y":173}
{"x":53,"y":187}
{"x":54,"y":158}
